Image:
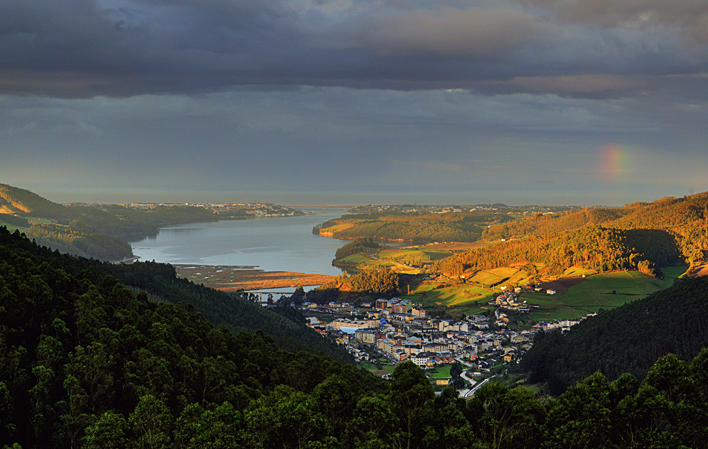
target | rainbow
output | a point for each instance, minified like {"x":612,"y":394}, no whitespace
{"x":615,"y":160}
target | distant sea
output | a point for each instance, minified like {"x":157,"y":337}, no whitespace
{"x":270,"y":244}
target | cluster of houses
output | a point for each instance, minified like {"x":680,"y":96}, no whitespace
{"x":400,"y":330}
{"x":563,"y":325}
{"x":508,"y":301}
{"x":426,"y":342}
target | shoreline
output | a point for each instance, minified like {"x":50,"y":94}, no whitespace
{"x":232,"y":278}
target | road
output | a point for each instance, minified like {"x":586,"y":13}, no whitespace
{"x":472,"y":391}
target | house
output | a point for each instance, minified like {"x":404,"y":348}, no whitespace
{"x":418,"y":312}
{"x":365,"y":336}
{"x":422,"y":358}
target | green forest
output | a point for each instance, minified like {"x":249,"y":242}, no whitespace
{"x":361,"y":287}
{"x":357,"y":246}
{"x":628,"y":339}
{"x":94,"y":355}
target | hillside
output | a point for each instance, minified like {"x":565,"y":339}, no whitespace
{"x":630,"y":338}
{"x":16,"y":201}
{"x":161,"y":282}
{"x":97,"y":232}
{"x":87,"y":362}
{"x":638,"y":236}
{"x":414,"y":227}
{"x":540,"y":224}
{"x":593,"y":248}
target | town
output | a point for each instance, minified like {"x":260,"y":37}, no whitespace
{"x":386,"y":332}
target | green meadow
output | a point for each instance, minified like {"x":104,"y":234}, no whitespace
{"x":442,"y":371}
{"x":595,"y":292}
{"x":600,"y":291}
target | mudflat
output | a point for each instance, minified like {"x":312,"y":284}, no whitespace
{"x":232,"y":278}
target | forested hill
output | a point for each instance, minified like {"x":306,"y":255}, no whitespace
{"x":14,"y":200}
{"x":629,"y":338}
{"x":639,"y":236}
{"x":114,"y":220}
{"x":541,"y":224}
{"x":83,"y":358}
{"x":86,"y":362}
{"x":160,"y":281}
{"x":685,"y":217}
{"x":88,"y":231}
{"x":595,"y":248}
{"x":453,"y":226}
{"x":673,"y":214}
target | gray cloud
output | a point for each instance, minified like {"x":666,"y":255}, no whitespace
{"x":81,"y":48}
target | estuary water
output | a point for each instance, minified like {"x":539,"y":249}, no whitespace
{"x":270,"y":244}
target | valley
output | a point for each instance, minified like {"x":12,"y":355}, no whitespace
{"x":496,"y":312}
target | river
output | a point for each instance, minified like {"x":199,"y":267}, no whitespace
{"x":270,"y":244}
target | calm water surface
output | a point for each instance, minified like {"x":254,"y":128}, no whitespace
{"x":271,"y":244}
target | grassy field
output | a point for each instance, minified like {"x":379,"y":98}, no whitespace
{"x":580,"y":297}
{"x":439,"y":371}
{"x":497,"y":276}
{"x":589,"y":293}
{"x":31,"y":220}
{"x":336,"y":228}
{"x":600,"y":291}
{"x":428,"y":293}
{"x":578,"y":271}
{"x":387,"y":369}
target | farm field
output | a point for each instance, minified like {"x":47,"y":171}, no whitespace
{"x":336,"y":228}
{"x":430,"y":294}
{"x":503,"y":275}
{"x":577,"y":296}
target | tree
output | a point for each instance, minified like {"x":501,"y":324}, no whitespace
{"x":410,"y":393}
{"x":581,"y":417}
{"x":151,"y":423}
{"x":108,"y":432}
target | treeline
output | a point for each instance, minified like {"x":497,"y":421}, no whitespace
{"x":686,"y":218}
{"x":594,"y":248}
{"x":79,"y":243}
{"x":86,"y":362}
{"x":356,"y":247}
{"x":14,"y":220}
{"x":161,"y":283}
{"x":128,"y":223}
{"x":541,"y":224}
{"x":452,"y":227}
{"x":628,"y":339}
{"x":367,"y":285}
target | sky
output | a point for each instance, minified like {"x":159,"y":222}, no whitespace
{"x":559,"y":102}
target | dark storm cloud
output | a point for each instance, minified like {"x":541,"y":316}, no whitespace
{"x":79,"y":48}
